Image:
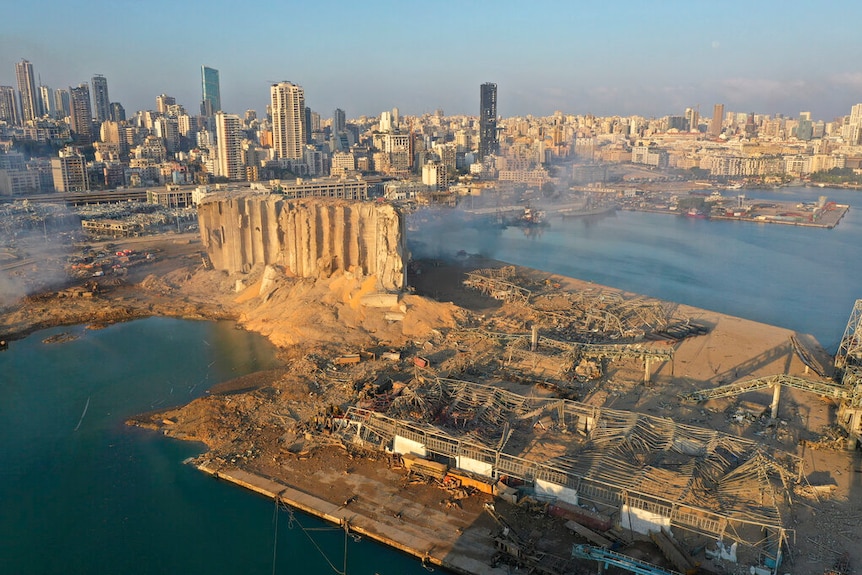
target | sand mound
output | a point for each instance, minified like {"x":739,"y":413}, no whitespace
{"x":335,"y":312}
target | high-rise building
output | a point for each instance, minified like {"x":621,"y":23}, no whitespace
{"x":118,"y":113}
{"x":488,"y":143}
{"x":82,"y":118}
{"x":692,"y":117}
{"x":805,"y":127}
{"x":717,"y":120}
{"x":8,"y":106}
{"x":288,"y":120}
{"x":70,"y":171}
{"x":163,"y":102}
{"x":46,"y":99}
{"x":385,"y":121}
{"x":30,"y":105}
{"x":101,"y":101}
{"x":62,"y":104}
{"x":339,"y":121}
{"x":210,"y":91}
{"x":167,"y":128}
{"x":112,"y":133}
{"x":229,"y":142}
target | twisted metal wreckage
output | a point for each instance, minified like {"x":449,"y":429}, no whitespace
{"x":651,"y":471}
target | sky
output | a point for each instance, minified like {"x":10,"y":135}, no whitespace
{"x":649,"y":57}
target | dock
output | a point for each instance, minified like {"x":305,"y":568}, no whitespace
{"x":465,"y":550}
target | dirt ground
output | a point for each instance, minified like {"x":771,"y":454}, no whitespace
{"x":275,"y":423}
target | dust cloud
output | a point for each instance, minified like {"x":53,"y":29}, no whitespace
{"x":441,"y":233}
{"x":35,"y":240}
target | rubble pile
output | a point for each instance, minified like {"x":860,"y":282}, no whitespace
{"x":586,"y":316}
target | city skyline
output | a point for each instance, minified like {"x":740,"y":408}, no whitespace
{"x":629,"y":59}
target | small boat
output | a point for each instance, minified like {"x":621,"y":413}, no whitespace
{"x":696,"y":213}
{"x":530,"y":218}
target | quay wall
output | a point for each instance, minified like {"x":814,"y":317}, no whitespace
{"x":423,"y":548}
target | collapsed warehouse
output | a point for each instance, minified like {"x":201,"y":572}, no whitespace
{"x":642,"y":472}
{"x":603,"y":467}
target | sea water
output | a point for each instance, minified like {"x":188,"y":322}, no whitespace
{"x":805,"y":279}
{"x":81,"y":492}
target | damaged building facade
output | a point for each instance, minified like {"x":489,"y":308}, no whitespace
{"x":310,"y":237}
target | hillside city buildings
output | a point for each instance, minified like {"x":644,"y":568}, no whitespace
{"x":73,"y":139}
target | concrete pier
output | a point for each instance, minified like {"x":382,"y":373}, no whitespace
{"x":461,"y":550}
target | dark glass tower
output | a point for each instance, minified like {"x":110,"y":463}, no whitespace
{"x":488,"y":143}
{"x":101,"y":101}
{"x":339,"y":121}
{"x":118,"y":113}
{"x":8,"y":105}
{"x":211,"y":94}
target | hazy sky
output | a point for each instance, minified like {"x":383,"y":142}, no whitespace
{"x":647,"y":57}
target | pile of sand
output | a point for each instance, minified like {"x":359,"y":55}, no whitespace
{"x":330,"y":311}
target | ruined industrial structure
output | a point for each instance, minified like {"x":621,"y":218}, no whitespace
{"x":310,"y":238}
{"x":642,"y":472}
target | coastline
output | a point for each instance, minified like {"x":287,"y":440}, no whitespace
{"x":834,"y":220}
{"x":427,"y":549}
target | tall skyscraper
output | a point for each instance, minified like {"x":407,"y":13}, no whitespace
{"x":46,"y":100}
{"x":288,"y":120}
{"x":8,"y":106}
{"x":229,"y":145}
{"x":717,"y":120}
{"x":692,"y":118}
{"x":30,"y":105}
{"x":61,"y":103}
{"x":385,"y":121}
{"x":210,"y":91}
{"x":82,"y":118}
{"x":488,"y":143}
{"x":101,"y":101}
{"x":339,"y":121}
{"x":306,"y":129}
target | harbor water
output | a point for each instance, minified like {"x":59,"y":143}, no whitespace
{"x":83,"y":493}
{"x":801,"y":278}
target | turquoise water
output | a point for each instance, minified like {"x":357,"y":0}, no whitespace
{"x":804,"y":279}
{"x":91,"y":495}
